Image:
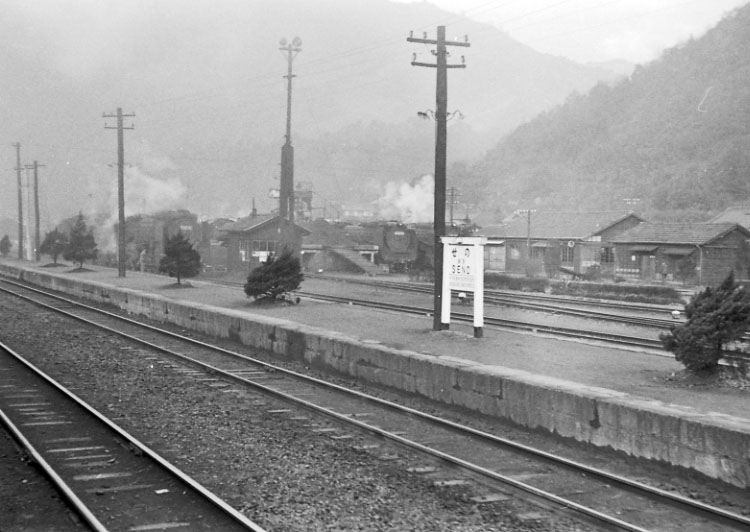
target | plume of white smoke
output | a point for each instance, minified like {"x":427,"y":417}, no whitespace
{"x":144,"y":194}
{"x":409,"y":203}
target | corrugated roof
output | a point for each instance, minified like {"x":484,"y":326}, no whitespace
{"x":735,"y":215}
{"x":325,"y":234}
{"x":676,"y":233}
{"x":557,"y":225}
{"x":247,"y":223}
{"x":251,"y":223}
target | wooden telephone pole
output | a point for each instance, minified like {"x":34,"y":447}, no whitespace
{"x":37,"y":240}
{"x":17,"y":146}
{"x":120,"y":187}
{"x":441,"y":142}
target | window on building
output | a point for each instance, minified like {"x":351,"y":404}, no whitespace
{"x":248,"y":247}
{"x":567,"y":254}
{"x":514,"y":252}
{"x":245,"y":250}
{"x":607,"y":255}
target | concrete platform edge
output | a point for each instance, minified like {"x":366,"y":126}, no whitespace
{"x":713,"y":444}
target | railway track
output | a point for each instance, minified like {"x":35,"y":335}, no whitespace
{"x":108,"y":478}
{"x":448,"y":453}
{"x":650,"y":344}
{"x":518,"y":325}
{"x":626,"y":313}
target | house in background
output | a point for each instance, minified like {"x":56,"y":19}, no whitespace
{"x":735,"y":215}
{"x":331,"y":247}
{"x":252,"y":239}
{"x":554,"y":242}
{"x":695,"y":253}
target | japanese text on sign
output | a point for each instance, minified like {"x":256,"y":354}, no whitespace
{"x":460,"y":267}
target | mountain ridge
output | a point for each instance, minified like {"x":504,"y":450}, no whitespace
{"x":207,"y":90}
{"x":673,"y":135}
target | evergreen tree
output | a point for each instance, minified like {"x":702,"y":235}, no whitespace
{"x":715,"y":318}
{"x":5,"y":246}
{"x":180,"y":259}
{"x":275,"y":278}
{"x":81,"y":243}
{"x":54,"y":244}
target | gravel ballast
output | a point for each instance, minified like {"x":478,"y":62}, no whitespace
{"x":270,"y":466}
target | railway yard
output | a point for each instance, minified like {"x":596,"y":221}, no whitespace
{"x":280,"y":451}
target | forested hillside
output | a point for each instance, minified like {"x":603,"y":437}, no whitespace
{"x":675,"y":135}
{"x":205,"y":82}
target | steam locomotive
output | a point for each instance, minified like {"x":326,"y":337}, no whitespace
{"x":397,"y":246}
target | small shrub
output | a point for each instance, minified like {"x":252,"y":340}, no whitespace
{"x":715,"y":318}
{"x":180,"y":259}
{"x":275,"y":278}
{"x":5,"y":246}
{"x":81,"y":244}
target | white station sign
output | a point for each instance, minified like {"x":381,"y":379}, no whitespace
{"x":461,"y":267}
{"x":463,"y":270}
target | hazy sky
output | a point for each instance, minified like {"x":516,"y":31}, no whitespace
{"x":597,"y":30}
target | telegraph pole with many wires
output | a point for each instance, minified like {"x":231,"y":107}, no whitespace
{"x":36,"y":167}
{"x":17,"y":146}
{"x":120,"y":186}
{"x":286,"y":185}
{"x":441,"y":141}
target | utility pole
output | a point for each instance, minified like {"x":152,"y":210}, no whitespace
{"x":120,"y":186}
{"x":454,"y":194}
{"x":36,"y":167}
{"x":286,"y":185}
{"x":528,"y":230}
{"x":17,"y":145}
{"x":441,"y":141}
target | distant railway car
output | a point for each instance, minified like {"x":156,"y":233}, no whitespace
{"x":147,"y":234}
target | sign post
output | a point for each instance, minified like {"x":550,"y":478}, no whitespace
{"x":463,"y":263}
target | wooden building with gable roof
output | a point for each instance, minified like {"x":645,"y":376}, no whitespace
{"x":554,"y":242}
{"x":250,"y":240}
{"x":701,"y":253}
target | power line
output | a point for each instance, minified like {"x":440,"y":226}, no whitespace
{"x":441,"y":135}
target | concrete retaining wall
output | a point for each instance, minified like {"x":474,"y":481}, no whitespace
{"x":715,"y":445}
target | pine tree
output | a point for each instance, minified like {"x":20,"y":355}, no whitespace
{"x":180,"y":259}
{"x":715,"y":318}
{"x":275,"y":278}
{"x":54,"y":244}
{"x":5,"y":246}
{"x":81,"y":243}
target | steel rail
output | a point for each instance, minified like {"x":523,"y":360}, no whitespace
{"x":132,"y":440}
{"x":47,"y":470}
{"x":616,"y":339}
{"x":543,"y":303}
{"x":624,"y":481}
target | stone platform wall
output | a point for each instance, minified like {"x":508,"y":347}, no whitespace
{"x":715,"y":445}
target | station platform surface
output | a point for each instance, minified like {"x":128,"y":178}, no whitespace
{"x":646,"y":375}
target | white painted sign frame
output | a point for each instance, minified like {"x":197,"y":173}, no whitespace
{"x":463,"y":269}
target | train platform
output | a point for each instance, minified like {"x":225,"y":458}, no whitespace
{"x":647,"y":375}
{"x":637,"y":402}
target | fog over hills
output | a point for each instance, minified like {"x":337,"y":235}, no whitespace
{"x":674,"y":136}
{"x":205,"y":81}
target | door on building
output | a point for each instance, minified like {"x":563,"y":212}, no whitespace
{"x":648,"y":267}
